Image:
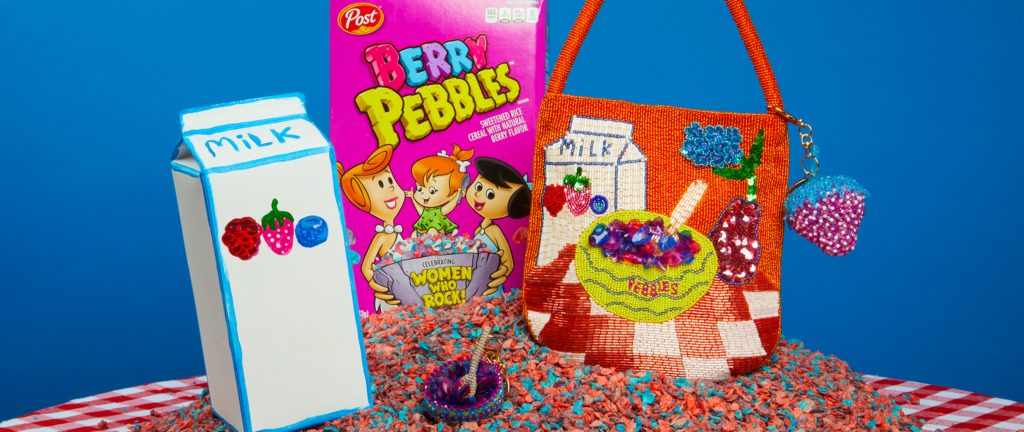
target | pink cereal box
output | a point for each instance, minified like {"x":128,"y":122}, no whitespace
{"x":433,"y":108}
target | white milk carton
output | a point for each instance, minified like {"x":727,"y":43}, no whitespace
{"x":267,"y":252}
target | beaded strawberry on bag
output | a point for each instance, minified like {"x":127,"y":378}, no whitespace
{"x":658,"y":239}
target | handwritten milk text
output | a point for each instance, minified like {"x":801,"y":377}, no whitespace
{"x":279,"y":136}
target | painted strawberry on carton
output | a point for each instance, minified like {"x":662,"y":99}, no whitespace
{"x":279,"y":230}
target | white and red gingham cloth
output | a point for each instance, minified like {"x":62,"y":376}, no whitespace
{"x":943,"y":408}
{"x":947,"y":409}
{"x":119,"y":408}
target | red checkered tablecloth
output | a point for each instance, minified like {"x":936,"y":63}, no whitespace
{"x":943,"y":408}
{"x":119,"y":408}
{"x":948,"y":409}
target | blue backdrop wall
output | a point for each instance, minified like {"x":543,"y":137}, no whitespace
{"x":920,"y":101}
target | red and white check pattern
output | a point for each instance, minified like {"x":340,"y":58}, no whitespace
{"x":943,"y":408}
{"x":119,"y":408}
{"x":950,"y":410}
{"x":731,"y":330}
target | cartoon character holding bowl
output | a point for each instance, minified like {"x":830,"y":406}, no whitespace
{"x":498,"y":191}
{"x":372,"y":188}
{"x":438,"y":190}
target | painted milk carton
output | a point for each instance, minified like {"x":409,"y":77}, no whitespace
{"x":436,"y":104}
{"x":267,"y":253}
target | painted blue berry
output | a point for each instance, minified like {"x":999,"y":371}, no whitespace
{"x":311,"y":231}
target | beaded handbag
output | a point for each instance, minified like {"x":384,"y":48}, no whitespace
{"x":658,"y":236}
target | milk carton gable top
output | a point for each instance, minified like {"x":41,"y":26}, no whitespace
{"x":226,"y":114}
{"x":249,"y":133}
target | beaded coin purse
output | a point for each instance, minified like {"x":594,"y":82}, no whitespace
{"x":658,"y":236}
{"x":469,"y":389}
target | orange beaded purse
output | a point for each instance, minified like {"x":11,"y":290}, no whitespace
{"x":657,"y":236}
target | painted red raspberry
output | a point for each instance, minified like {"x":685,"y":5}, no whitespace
{"x":242,"y":237}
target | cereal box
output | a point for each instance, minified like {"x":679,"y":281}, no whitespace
{"x":433,"y":108}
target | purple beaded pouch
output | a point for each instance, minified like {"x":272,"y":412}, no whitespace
{"x":467,"y":390}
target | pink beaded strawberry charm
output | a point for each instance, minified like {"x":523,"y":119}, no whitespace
{"x":827,"y":211}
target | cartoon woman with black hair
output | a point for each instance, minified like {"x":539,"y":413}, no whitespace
{"x":498,"y":191}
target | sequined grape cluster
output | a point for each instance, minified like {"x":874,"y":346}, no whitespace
{"x":650,"y":244}
{"x":714,"y":146}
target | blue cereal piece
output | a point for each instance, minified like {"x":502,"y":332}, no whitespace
{"x":577,"y":408}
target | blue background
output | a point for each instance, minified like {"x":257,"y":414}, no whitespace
{"x":919,"y":101}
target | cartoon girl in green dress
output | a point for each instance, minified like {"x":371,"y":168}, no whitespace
{"x":438,"y":190}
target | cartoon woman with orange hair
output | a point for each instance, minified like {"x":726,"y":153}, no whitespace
{"x":372,"y":188}
{"x":439,"y":189}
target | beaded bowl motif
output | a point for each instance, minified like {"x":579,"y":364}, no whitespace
{"x":445,"y":394}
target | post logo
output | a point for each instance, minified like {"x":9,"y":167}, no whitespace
{"x":360,"y":18}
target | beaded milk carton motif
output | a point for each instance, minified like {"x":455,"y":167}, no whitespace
{"x":603,"y":150}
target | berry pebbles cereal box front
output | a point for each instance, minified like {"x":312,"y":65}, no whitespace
{"x":433,"y":108}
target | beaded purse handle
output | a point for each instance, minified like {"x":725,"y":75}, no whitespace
{"x":739,"y":14}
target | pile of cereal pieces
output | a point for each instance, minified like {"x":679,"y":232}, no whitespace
{"x":431,"y":245}
{"x":799,"y":390}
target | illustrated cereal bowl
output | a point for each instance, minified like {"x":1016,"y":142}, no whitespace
{"x":638,"y":268}
{"x":447,"y":396}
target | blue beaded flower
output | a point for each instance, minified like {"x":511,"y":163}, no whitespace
{"x":714,"y":146}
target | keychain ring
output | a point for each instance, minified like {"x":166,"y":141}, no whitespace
{"x":801,"y":128}
{"x":808,"y":173}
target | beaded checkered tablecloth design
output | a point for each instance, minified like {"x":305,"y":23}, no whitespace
{"x":943,"y":408}
{"x":730,"y":331}
{"x":118,"y":408}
